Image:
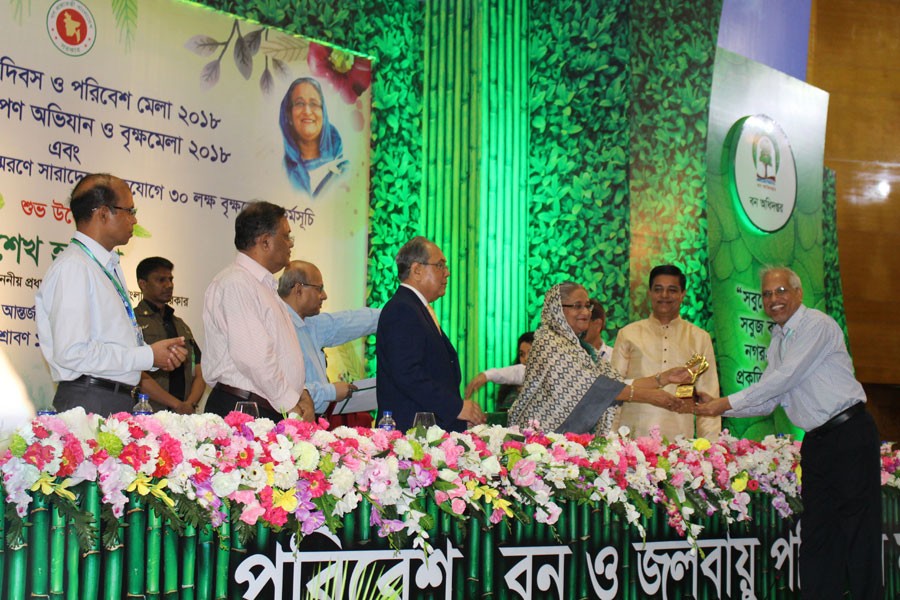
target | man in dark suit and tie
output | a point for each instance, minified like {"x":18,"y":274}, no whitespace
{"x":418,"y":369}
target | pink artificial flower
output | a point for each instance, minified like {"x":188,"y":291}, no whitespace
{"x":237,"y":419}
{"x":452,"y":452}
{"x":523,"y":473}
{"x":458,"y":505}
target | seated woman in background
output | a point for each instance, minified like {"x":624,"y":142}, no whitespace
{"x":510,"y":378}
{"x":565,"y":389}
{"x":313,"y":151}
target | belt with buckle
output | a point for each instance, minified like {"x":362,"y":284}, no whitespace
{"x":107,"y":384}
{"x":242,"y":394}
{"x":840,"y":418}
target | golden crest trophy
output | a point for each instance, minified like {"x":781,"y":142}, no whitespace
{"x":696,"y":365}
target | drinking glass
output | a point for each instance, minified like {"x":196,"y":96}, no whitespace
{"x":423,"y":419}
{"x":249,"y":408}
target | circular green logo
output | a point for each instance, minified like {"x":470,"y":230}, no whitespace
{"x":760,"y":171}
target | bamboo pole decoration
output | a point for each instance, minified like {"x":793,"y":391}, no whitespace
{"x":569,"y":533}
{"x":486,"y":551}
{"x":18,"y":564}
{"x":350,"y":527}
{"x":205,"y":564}
{"x":91,"y":562}
{"x":262,"y":536}
{"x":39,"y":550}
{"x":135,"y":557}
{"x":239,"y":552}
{"x":188,"y":562}
{"x":113,"y":571}
{"x":474,"y":557}
{"x":223,"y":552}
{"x":57,"y":553}
{"x":365,"y":512}
{"x":73,"y":555}
{"x":170,"y":562}
{"x":154,"y":547}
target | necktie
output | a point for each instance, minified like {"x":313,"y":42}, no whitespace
{"x":434,"y":317}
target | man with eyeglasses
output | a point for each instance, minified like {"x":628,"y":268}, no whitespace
{"x":664,"y":340}
{"x":418,"y":368}
{"x":303,"y":290}
{"x":89,"y":334}
{"x":810,"y":374}
{"x":252,"y":353}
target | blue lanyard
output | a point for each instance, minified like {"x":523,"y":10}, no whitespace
{"x":119,"y":289}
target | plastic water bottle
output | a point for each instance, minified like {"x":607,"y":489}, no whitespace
{"x":387,"y":421}
{"x":143,"y":406}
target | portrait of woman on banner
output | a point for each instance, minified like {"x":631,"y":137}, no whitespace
{"x":313,"y":151}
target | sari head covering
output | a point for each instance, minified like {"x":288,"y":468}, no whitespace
{"x":565,"y":389}
{"x":331,"y":148}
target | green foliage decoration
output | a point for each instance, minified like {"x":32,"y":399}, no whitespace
{"x":579,"y":88}
{"x":126,"y":15}
{"x":834,"y":294}
{"x":673,"y":47}
{"x":392,"y":32}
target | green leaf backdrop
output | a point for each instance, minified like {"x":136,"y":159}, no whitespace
{"x":534,"y":141}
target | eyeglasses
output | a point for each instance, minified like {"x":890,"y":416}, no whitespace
{"x":578,"y":307}
{"x":131,"y":211}
{"x":440,"y":265}
{"x":779,"y":292}
{"x":303,"y":105}
{"x":321,"y":288}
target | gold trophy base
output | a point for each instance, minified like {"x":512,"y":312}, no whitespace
{"x":685,"y":391}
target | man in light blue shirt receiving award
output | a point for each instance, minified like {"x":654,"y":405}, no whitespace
{"x":302,"y":289}
{"x":810,"y":374}
{"x":89,"y":334}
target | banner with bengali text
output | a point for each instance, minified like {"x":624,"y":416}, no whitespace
{"x":200,"y":112}
{"x":765,"y":156}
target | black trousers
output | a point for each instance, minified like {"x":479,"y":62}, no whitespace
{"x":840,"y":528}
{"x":221,"y":403}
{"x":94,"y":399}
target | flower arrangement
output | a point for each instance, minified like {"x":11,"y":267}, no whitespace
{"x":202,"y":468}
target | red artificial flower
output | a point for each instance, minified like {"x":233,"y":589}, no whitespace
{"x":318,"y":485}
{"x":350,"y":75}
{"x":136,"y":431}
{"x":169,"y":455}
{"x":202,"y":472}
{"x":582,"y":439}
{"x":38,"y":455}
{"x":135,"y":455}
{"x":72,"y":456}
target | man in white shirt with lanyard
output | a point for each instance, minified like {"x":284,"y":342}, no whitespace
{"x":89,"y":334}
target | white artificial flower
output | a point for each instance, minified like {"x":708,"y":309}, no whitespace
{"x":224,"y":484}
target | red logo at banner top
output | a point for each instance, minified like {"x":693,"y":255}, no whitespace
{"x":71,"y":27}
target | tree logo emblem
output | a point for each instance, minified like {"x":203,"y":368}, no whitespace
{"x":760,"y":171}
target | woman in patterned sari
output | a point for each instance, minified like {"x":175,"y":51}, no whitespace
{"x":566,"y":388}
